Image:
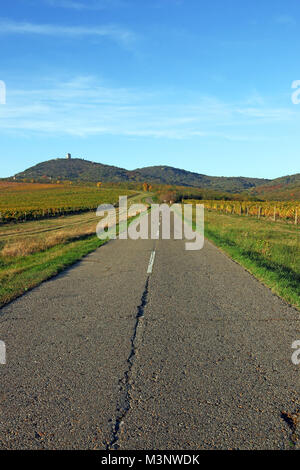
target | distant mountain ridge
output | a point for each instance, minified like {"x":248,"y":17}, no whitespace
{"x":283,"y":188}
{"x":83,"y":170}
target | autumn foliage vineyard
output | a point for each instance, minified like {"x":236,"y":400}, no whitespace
{"x":240,"y":224}
{"x":288,"y":210}
{"x":30,"y":201}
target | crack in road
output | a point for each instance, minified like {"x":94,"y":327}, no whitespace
{"x":124,"y":383}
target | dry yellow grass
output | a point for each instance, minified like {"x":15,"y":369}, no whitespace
{"x":33,"y":251}
{"x":28,"y":246}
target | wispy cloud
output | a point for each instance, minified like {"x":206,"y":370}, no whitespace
{"x":112,"y":31}
{"x":83,"y":106}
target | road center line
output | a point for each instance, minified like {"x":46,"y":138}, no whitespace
{"x":151,"y":261}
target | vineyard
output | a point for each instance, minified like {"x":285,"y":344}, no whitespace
{"x":288,"y":210}
{"x":33,"y":201}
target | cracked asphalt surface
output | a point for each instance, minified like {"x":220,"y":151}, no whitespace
{"x":195,"y":355}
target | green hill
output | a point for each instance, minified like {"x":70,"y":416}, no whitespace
{"x":74,"y":169}
{"x":170,"y":175}
{"x":283,"y":188}
{"x":83,"y":170}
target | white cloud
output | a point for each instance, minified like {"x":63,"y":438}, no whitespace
{"x":112,"y":31}
{"x":274,"y":114}
{"x":83,"y":106}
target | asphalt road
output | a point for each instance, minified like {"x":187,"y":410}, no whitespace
{"x":189,"y":352}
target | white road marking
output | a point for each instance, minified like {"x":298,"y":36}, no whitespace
{"x":151,"y":261}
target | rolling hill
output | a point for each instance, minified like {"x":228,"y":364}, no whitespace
{"x":83,"y":170}
{"x":284,"y":188}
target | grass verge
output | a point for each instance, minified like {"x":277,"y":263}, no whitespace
{"x":268,"y":250}
{"x":33,"y":252}
{"x":20,"y":274}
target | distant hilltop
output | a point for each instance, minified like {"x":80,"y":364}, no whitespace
{"x":77,"y":169}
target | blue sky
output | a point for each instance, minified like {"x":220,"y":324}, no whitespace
{"x":196,"y":84}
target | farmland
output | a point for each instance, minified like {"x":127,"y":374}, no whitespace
{"x":273,"y":210}
{"x":35,"y":248}
{"x":46,"y":227}
{"x":32,"y":201}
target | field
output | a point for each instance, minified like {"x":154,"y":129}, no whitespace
{"x":32,"y":201}
{"x":273,"y":210}
{"x":269,"y":250}
{"x":34,"y":250}
{"x":47,"y":227}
